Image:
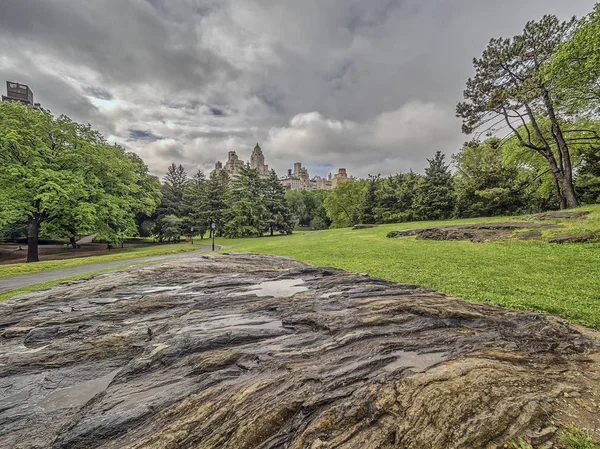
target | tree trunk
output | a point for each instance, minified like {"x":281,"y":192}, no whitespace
{"x":33,"y":231}
{"x":568,"y":191}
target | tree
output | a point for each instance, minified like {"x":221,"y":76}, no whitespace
{"x":587,"y":182}
{"x":247,"y":215}
{"x":280,"y":217}
{"x":509,"y":87}
{"x":574,"y":70}
{"x":435,"y":196}
{"x":306,"y":206}
{"x":344,"y":203}
{"x":172,"y":227}
{"x":485,"y":184}
{"x":194,"y":204}
{"x":173,"y":188}
{"x":216,"y":206}
{"x":65,"y":178}
{"x":367,"y":214}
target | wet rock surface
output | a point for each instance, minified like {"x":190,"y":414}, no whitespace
{"x":254,"y":351}
{"x":478,"y":232}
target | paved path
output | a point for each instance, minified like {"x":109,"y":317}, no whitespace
{"x":24,"y":280}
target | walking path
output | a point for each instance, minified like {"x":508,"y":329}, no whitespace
{"x":24,"y":280}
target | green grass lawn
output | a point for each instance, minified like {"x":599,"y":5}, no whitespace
{"x":557,"y":279}
{"x":119,"y":254}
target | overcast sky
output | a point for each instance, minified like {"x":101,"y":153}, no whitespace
{"x":369,"y":85}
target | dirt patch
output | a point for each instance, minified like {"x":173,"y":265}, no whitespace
{"x":255,"y":351}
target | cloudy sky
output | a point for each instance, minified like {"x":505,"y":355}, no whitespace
{"x":369,"y":85}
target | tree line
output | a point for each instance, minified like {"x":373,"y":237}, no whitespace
{"x":531,"y":108}
{"x":245,"y":205}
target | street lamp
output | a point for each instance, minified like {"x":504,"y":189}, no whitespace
{"x":192,"y":234}
{"x":213,"y":226}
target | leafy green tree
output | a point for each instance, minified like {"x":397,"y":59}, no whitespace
{"x":247,"y":215}
{"x":435,"y":195}
{"x":65,"y":178}
{"x":306,"y":206}
{"x":172,"y":227}
{"x":395,"y":196}
{"x":280,"y":217}
{"x":510,"y":87}
{"x":344,"y":203}
{"x":574,"y":70}
{"x":485,"y":184}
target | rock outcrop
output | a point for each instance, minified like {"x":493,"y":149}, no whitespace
{"x":253,"y":351}
{"x":477,"y":232}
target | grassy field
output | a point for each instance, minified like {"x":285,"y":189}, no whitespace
{"x":557,"y":279}
{"x":119,"y":254}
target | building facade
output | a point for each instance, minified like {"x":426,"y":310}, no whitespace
{"x":257,"y":161}
{"x":19,"y":92}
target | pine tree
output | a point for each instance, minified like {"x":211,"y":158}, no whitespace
{"x":194,"y":205}
{"x":435,"y":196}
{"x":370,"y":201}
{"x":174,"y":184}
{"x":216,"y":201}
{"x":247,"y":215}
{"x":280,"y":217}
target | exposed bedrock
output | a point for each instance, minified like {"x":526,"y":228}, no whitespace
{"x":254,"y":351}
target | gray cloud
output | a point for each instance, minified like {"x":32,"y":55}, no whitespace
{"x":369,"y":86}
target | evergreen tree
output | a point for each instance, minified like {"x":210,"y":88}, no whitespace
{"x":435,"y":198}
{"x":485,"y":185}
{"x":215,"y":206}
{"x":173,"y":187}
{"x":194,"y":205}
{"x":587,"y":183}
{"x":247,"y":215}
{"x":280,"y":217}
{"x":369,"y":203}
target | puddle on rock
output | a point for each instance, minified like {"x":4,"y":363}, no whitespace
{"x":77,"y":395}
{"x":278,"y":289}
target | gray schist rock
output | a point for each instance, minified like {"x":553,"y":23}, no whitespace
{"x":254,"y":351}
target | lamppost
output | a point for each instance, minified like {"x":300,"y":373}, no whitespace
{"x":213,"y":226}
{"x":192,"y":234}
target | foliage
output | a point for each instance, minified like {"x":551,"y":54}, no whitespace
{"x":367,"y":214}
{"x":587,"y":183}
{"x":344,"y":203}
{"x":435,"y":197}
{"x":171,"y":226}
{"x":306,"y":206}
{"x":66,"y":179}
{"x":574,"y":70}
{"x":247,"y":214}
{"x":485,"y":184}
{"x":509,"y":88}
{"x":279,"y":215}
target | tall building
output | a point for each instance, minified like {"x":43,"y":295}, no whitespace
{"x":340,"y":177}
{"x":257,"y":161}
{"x":19,"y":92}
{"x":297,"y":179}
{"x":234,"y":164}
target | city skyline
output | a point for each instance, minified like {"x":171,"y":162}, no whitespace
{"x":369,"y":86}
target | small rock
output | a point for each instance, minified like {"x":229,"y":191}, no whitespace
{"x":542,"y":436}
